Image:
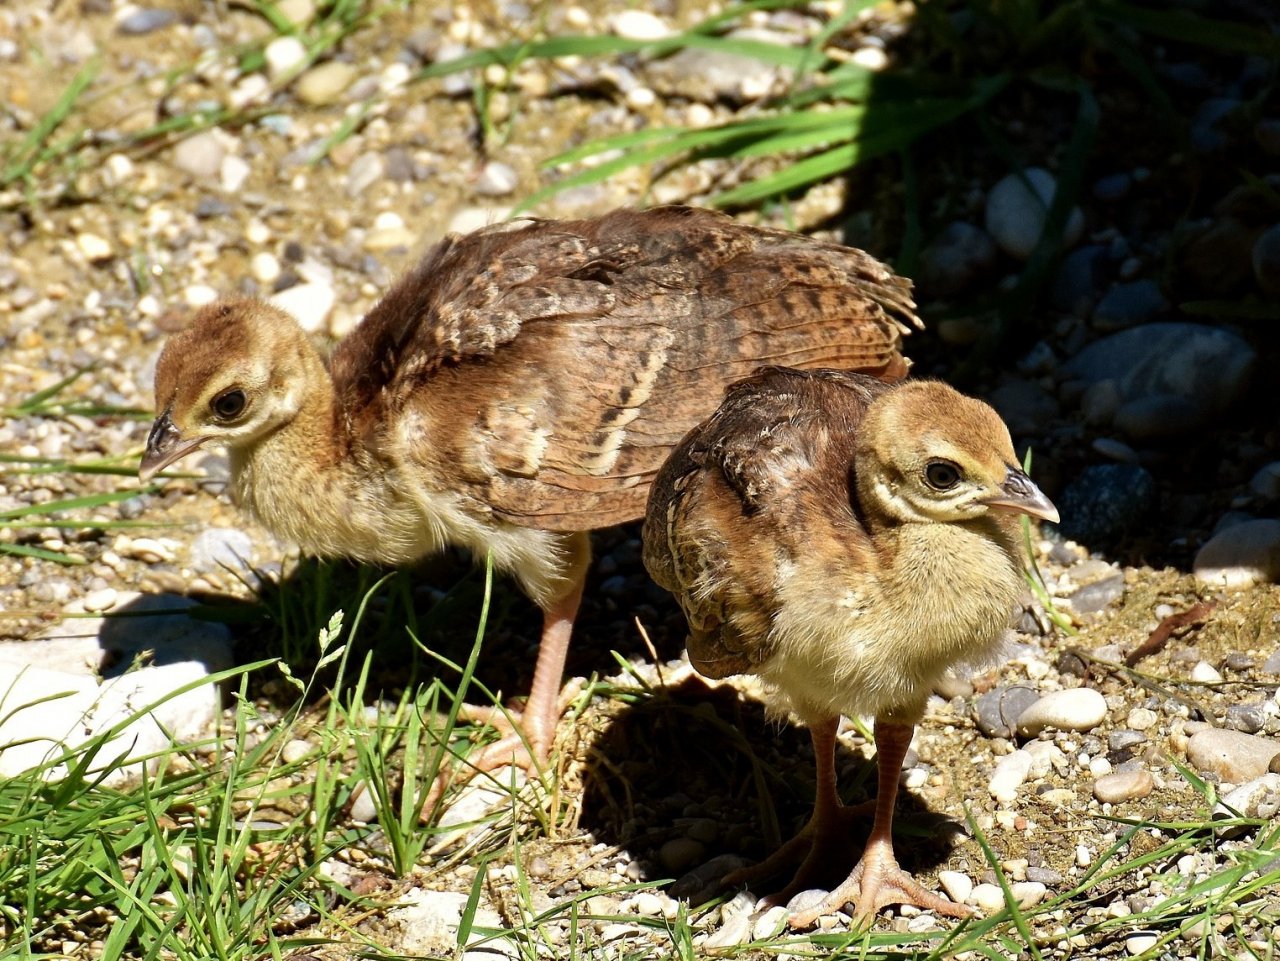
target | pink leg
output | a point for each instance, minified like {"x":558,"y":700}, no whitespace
{"x":877,"y":881}
{"x":527,"y":743}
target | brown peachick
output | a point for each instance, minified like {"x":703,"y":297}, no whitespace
{"x":848,"y":541}
{"x":516,"y":389}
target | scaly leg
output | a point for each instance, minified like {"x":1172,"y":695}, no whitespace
{"x":877,"y":880}
{"x":531,"y":732}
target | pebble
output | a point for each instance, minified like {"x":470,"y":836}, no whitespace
{"x":988,"y":898}
{"x":364,"y":806}
{"x":734,"y":931}
{"x":680,"y":854}
{"x":648,"y":904}
{"x":1241,"y":556}
{"x":220,"y":548}
{"x":1028,"y":893}
{"x":200,"y":155}
{"x":365,"y":171}
{"x":996,"y":712}
{"x":265,"y":267}
{"x":1266,"y":481}
{"x":283,"y":55}
{"x":1207,"y":366}
{"x":771,"y":923}
{"x":1127,"y":305}
{"x":957,"y":884}
{"x":1250,"y":718}
{"x":959,"y":256}
{"x":1096,"y":597}
{"x":639,"y":25}
{"x":1078,"y":709}
{"x":1112,"y":187}
{"x":497,"y":180}
{"x":1124,"y":786}
{"x":1205,"y":673}
{"x":1266,"y":262}
{"x":1233,"y":756}
{"x":324,"y":83}
{"x":1026,"y":407}
{"x":101,"y":600}
{"x":1080,"y":280}
{"x":308,"y":303}
{"x":140,"y":22}
{"x":1142,"y":719}
{"x":95,"y":248}
{"x":1010,"y":771}
{"x":296,"y":750}
{"x":149,"y":550}
{"x":1016,"y":211}
{"x":1141,"y":943}
{"x":1256,"y":798}
{"x":1106,"y":501}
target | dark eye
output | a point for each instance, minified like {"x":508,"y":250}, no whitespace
{"x":228,"y":404}
{"x":942,"y":475}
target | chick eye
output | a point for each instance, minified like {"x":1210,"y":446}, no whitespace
{"x":941,"y":475}
{"x":229,"y":403}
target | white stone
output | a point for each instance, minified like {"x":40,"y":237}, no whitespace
{"x":1010,"y":771}
{"x":102,"y":600}
{"x":232,"y":173}
{"x":197,"y":295}
{"x":988,"y":898}
{"x":648,"y":904}
{"x":957,"y":884}
{"x":1241,"y":556}
{"x":639,"y":25}
{"x":1028,"y":893}
{"x":1205,"y":673}
{"x":428,"y":920}
{"x":94,"y":247}
{"x":468,"y":219}
{"x":364,"y":805}
{"x":265,"y":267}
{"x":480,"y":796}
{"x":1016,"y":210}
{"x":734,"y":931}
{"x":1140,"y":943}
{"x":1078,"y":709}
{"x":201,"y":154}
{"x":151,"y":658}
{"x":295,"y":750}
{"x":308,"y":303}
{"x":1245,"y":800}
{"x":871,"y":58}
{"x":325,"y":83}
{"x":284,"y":54}
{"x":149,"y":550}
{"x":771,"y":923}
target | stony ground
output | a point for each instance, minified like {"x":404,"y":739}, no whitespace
{"x":1152,"y":424}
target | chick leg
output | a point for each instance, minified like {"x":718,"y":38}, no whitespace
{"x":530,"y":733}
{"x":821,"y":847}
{"x":877,"y":881}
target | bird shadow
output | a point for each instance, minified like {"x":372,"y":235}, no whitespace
{"x":698,"y":776}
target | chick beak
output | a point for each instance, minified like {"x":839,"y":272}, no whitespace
{"x":165,"y":444}
{"x":1020,"y":494}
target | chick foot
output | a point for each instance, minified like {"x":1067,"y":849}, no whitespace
{"x":876,"y":882}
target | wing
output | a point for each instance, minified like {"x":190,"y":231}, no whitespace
{"x":550,"y":368}
{"x":743,"y":495}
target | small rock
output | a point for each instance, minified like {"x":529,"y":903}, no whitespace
{"x":1026,"y":407}
{"x":1232,"y":756}
{"x":996,"y":712}
{"x":469,"y":219}
{"x":1142,"y":719}
{"x":1272,"y":664}
{"x":200,"y":155}
{"x":1249,"y":798}
{"x":1141,"y":943}
{"x":295,"y":750}
{"x":1079,"y":280}
{"x":736,"y":930}
{"x":232,"y":173}
{"x":959,"y":256}
{"x":1250,"y":718}
{"x":1010,"y":771}
{"x":680,"y":854}
{"x":142,"y":21}
{"x":428,"y":921}
{"x":308,"y":303}
{"x":1266,"y":262}
{"x":1028,"y":893}
{"x":1078,"y":709}
{"x":96,"y":249}
{"x":284,"y":55}
{"x":639,"y":25}
{"x":364,"y":806}
{"x":324,"y":83}
{"x":1127,"y":305}
{"x":1112,"y":187}
{"x":1205,"y":673}
{"x":1159,"y":417}
{"x":1105,"y":502}
{"x":1096,"y":597}
{"x":1115,"y":450}
{"x":771,"y":923}
{"x":988,"y":898}
{"x":497,"y":180}
{"x":1016,"y":210}
{"x":1241,"y":556}
{"x":648,"y":904}
{"x":221,"y":548}
{"x":1266,"y":481}
{"x":957,"y":884}
{"x":100,"y":600}
{"x":365,"y":171}
{"x":1123,"y":786}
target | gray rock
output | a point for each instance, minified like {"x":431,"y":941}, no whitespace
{"x":1207,"y":366}
{"x":219,"y":548}
{"x":703,"y":881}
{"x":1016,"y":210}
{"x":1231,"y":755}
{"x":1127,"y":305}
{"x":1266,"y":482}
{"x":680,"y":854}
{"x":1077,"y":709}
{"x":997,"y":712}
{"x":1272,"y":664}
{"x":1216,"y":263}
{"x":1266,"y":262}
{"x":1095,"y":597}
{"x":711,"y":76}
{"x":1080,"y":280}
{"x":1124,"y":739}
{"x":146,"y":20}
{"x":1256,"y":798}
{"x":736,"y":930}
{"x":1123,"y":786}
{"x":1241,"y":555}
{"x":200,"y":155}
{"x":1106,"y":502}
{"x":1112,"y":187}
{"x":1209,"y":131}
{"x":497,"y":180}
{"x":1250,"y":718}
{"x":365,"y":171}
{"x":960,"y":255}
{"x":1159,"y":417}
{"x":1027,"y":408}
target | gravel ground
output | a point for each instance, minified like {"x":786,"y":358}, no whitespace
{"x":1153,"y":426}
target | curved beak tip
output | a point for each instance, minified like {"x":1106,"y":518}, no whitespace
{"x":165,"y":444}
{"x":1020,"y":494}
